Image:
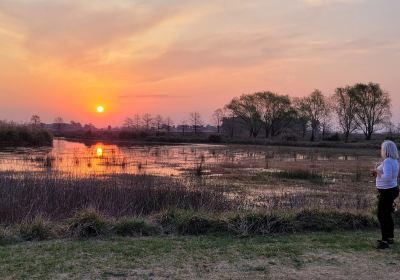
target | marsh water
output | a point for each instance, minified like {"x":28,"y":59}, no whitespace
{"x":175,"y":160}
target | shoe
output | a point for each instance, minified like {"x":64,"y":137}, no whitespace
{"x":382,"y":244}
{"x":390,"y":241}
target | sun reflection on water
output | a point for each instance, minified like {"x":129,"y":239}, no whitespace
{"x":99,"y":151}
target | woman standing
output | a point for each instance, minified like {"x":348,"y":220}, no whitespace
{"x":386,"y":182}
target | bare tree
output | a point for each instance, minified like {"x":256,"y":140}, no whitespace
{"x":345,"y":106}
{"x":218,"y":115}
{"x":129,"y":123}
{"x":35,"y":120}
{"x":147,"y":119}
{"x":158,"y":121}
{"x":326,"y":118}
{"x":169,"y":122}
{"x":59,"y":122}
{"x":137,"y":121}
{"x":183,"y":126}
{"x":313,"y":109}
{"x":195,"y":121}
{"x":373,"y":108}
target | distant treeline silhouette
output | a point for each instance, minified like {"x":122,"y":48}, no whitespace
{"x":12,"y":134}
{"x":360,"y":109}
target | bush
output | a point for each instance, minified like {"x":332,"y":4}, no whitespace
{"x":7,"y":236}
{"x":38,"y":229}
{"x":314,"y":220}
{"x":333,"y":138}
{"x":134,"y":227}
{"x":300,"y":175}
{"x":257,"y":223}
{"x":87,"y":223}
{"x":13,"y":135}
{"x":189,"y":223}
{"x":214,"y":138}
{"x":290,"y":138}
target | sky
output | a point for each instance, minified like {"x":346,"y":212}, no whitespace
{"x":64,"y":58}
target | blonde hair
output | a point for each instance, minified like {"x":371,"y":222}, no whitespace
{"x":389,"y":150}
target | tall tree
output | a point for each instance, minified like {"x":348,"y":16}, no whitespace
{"x":59,"y":122}
{"x":147,"y":119}
{"x":218,"y":115}
{"x":373,"y":108}
{"x":137,"y":121}
{"x":195,"y":121}
{"x":313,"y":109}
{"x":35,"y":120}
{"x":158,"y":121}
{"x":169,"y":122}
{"x":183,"y":126}
{"x":275,"y":110}
{"x":129,"y":123}
{"x":345,"y":106}
{"x":245,"y":109}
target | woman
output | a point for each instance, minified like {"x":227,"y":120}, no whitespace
{"x":386,"y":182}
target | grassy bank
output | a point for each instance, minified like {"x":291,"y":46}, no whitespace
{"x":18,"y":135}
{"x":343,"y":255}
{"x":91,"y":224}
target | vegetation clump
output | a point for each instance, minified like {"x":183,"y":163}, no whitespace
{"x":127,"y":226}
{"x":37,"y":229}
{"x":15,"y":135}
{"x":300,"y":175}
{"x":87,"y":223}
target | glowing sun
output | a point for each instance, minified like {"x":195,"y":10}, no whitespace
{"x":100,"y":109}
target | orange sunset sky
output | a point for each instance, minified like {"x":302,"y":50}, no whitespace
{"x":63,"y":57}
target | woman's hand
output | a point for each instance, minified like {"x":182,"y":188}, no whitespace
{"x":374,"y":173}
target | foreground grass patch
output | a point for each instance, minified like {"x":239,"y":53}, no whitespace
{"x":185,"y":256}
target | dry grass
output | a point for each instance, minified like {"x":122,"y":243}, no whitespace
{"x":23,"y":196}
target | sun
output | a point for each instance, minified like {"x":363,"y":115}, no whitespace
{"x":100,"y":109}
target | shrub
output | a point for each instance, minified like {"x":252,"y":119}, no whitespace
{"x":258,"y":223}
{"x":134,"y":227}
{"x":314,"y":220}
{"x":38,"y":229}
{"x":87,"y":223}
{"x":300,"y":175}
{"x":12,"y":134}
{"x":7,"y":236}
{"x":333,"y":138}
{"x":189,"y":223}
{"x":214,"y":138}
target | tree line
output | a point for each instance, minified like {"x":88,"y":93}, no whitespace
{"x":361,"y":107}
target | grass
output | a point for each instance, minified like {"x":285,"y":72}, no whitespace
{"x":91,"y":224}
{"x":300,"y":175}
{"x":23,"y":196}
{"x":343,"y":255}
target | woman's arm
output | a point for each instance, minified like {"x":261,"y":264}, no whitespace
{"x":387,"y":172}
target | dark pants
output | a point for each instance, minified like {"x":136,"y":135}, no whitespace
{"x":385,"y":210}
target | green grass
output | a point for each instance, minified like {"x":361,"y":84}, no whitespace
{"x":301,"y":175}
{"x":183,"y":257}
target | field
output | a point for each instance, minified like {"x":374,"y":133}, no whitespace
{"x":338,"y":255}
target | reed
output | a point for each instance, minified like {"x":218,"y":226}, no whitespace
{"x":25,"y":195}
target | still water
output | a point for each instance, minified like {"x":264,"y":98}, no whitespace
{"x":166,"y":160}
